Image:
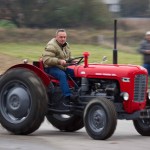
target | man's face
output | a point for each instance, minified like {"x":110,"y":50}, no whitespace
{"x":148,"y":37}
{"x":61,"y":37}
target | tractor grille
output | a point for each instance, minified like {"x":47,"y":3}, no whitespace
{"x":139,"y":88}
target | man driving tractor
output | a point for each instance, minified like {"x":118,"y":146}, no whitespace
{"x":56,"y":53}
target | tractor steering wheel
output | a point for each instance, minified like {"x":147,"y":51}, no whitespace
{"x":75,"y":61}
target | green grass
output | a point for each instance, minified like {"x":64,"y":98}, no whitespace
{"x":6,"y":24}
{"x":30,"y":51}
{"x":34,"y":51}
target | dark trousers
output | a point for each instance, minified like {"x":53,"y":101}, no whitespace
{"x":147,"y":66}
{"x":62,"y":77}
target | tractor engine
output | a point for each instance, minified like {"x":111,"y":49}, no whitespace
{"x":100,"y":87}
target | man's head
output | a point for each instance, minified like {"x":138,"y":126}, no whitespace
{"x":147,"y":35}
{"x":61,"y":36}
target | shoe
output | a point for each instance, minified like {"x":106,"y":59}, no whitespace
{"x":70,"y":99}
{"x":73,"y":98}
{"x":66,"y":100}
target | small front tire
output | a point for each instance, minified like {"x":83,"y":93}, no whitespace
{"x":100,"y":119}
{"x":142,"y":126}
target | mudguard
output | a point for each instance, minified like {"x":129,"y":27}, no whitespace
{"x":40,"y":73}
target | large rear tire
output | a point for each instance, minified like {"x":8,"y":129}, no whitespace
{"x":67,"y":123}
{"x":100,"y":118}
{"x":23,"y":101}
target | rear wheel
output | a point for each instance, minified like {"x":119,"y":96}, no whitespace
{"x":23,"y":101}
{"x":100,"y":119}
{"x":142,"y":126}
{"x":67,"y":123}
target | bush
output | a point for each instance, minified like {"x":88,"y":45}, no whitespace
{"x":7,"y":24}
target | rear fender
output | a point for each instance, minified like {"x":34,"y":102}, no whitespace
{"x":40,"y":73}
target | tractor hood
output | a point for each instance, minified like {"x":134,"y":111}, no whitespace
{"x":108,"y":70}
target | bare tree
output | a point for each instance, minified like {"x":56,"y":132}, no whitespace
{"x":134,"y":8}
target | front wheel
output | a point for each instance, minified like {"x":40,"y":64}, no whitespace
{"x":142,"y":126}
{"x":23,"y":101}
{"x":100,"y":119}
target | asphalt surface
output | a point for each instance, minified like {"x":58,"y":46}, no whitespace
{"x":49,"y":138}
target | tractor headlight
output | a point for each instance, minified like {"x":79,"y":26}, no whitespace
{"x":148,"y":95}
{"x":125,"y":96}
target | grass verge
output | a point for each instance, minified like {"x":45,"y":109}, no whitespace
{"x":34,"y":51}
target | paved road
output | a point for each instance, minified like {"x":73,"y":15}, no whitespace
{"x":49,"y":138}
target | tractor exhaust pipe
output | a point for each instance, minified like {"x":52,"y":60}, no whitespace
{"x":115,"y":53}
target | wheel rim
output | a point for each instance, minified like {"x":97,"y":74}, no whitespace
{"x":97,"y":119}
{"x":144,"y":123}
{"x":15,"y":101}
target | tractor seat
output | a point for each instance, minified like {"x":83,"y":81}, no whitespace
{"x":40,"y":65}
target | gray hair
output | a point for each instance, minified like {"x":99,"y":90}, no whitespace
{"x":60,"y":30}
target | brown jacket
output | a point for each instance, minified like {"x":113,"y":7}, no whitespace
{"x":53,"y":52}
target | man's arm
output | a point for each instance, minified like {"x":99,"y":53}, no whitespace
{"x":49,"y":57}
{"x":143,"y":49}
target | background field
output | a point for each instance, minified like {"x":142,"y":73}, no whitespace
{"x":34,"y":51}
{"x":14,"y":53}
{"x":29,"y":43}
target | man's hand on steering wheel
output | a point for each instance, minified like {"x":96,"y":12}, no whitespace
{"x":74,"y":61}
{"x":62,"y":62}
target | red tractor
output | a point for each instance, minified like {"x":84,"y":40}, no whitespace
{"x":106,"y":92}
